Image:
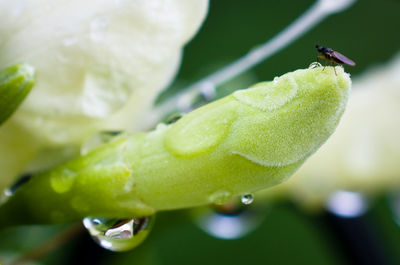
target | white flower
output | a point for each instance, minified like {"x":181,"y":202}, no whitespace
{"x":99,"y":63}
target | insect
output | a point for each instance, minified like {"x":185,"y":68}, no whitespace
{"x":333,"y":56}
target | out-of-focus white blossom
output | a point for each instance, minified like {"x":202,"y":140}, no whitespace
{"x":364,"y":152}
{"x":100,"y":64}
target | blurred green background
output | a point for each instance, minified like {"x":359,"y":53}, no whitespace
{"x":368,"y":33}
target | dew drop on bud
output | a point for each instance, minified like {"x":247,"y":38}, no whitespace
{"x":314,"y":65}
{"x":247,"y":199}
{"x":119,"y":234}
{"x":221,"y":197}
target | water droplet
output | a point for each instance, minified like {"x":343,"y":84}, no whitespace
{"x":347,"y":204}
{"x":62,"y":181}
{"x":220,"y":197}
{"x":119,"y":234}
{"x":314,"y":65}
{"x":247,"y":199}
{"x":233,"y":223}
{"x":98,"y":28}
{"x":97,"y":140}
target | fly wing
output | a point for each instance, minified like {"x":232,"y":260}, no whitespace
{"x":343,"y":58}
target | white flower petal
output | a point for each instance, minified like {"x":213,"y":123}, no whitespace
{"x":100,"y":64}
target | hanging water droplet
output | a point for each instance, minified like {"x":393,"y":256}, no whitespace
{"x":97,"y":140}
{"x":230,"y":223}
{"x":247,"y":199}
{"x":119,"y":234}
{"x":314,"y":65}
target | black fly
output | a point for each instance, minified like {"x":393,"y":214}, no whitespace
{"x":333,"y":56}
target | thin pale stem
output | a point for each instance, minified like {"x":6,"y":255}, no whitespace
{"x":312,"y":17}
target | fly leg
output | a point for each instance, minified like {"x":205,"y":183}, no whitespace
{"x":334,"y":67}
{"x":323,"y":58}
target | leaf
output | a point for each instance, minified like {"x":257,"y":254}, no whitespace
{"x":15,"y":84}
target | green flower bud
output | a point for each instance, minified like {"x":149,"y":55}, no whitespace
{"x":247,"y":141}
{"x":15,"y":83}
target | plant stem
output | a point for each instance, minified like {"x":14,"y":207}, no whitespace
{"x":309,"y":19}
